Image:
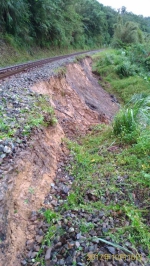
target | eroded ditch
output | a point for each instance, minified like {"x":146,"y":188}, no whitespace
{"x":79,"y":103}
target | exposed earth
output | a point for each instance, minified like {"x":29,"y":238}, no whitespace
{"x":33,"y":175}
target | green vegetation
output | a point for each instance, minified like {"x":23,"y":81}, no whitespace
{"x":42,"y":28}
{"x":129,"y":122}
{"x":111,"y":165}
{"x":125,"y":70}
{"x":126,"y":33}
{"x":105,"y":167}
{"x":61,"y":71}
{"x":40,"y":113}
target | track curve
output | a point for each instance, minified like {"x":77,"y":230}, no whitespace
{"x":12,"y":70}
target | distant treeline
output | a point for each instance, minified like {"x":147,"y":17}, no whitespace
{"x":63,"y":23}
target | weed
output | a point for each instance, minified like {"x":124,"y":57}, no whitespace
{"x":31,"y":190}
{"x":125,"y":69}
{"x":129,"y":122}
{"x":53,"y":230}
{"x":41,"y":114}
{"x":61,"y":71}
{"x":79,"y":58}
{"x":50,"y":215}
{"x":95,"y":168}
{"x":85,"y":227}
{"x":26,"y":201}
{"x":121,"y":71}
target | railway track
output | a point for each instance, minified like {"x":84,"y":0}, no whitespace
{"x":12,"y":70}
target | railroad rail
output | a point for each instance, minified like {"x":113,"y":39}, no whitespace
{"x":12,"y":70}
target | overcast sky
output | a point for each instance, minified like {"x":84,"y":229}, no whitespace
{"x":136,"y":7}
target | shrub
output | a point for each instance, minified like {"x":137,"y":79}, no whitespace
{"x":129,"y":122}
{"x":124,"y":123}
{"x":125,"y":69}
{"x":143,"y":143}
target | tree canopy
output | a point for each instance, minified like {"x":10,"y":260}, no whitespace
{"x":76,"y":23}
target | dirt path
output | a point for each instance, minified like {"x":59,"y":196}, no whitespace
{"x":79,"y":103}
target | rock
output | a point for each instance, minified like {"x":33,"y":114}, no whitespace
{"x":1,"y":148}
{"x":71,"y":230}
{"x":40,"y":232}
{"x":65,"y":221}
{"x":101,"y":214}
{"x":70,"y":245}
{"x":79,"y":236}
{"x":49,"y":263}
{"x":77,"y":244}
{"x":58,"y":245}
{"x":69,"y":260}
{"x":23,"y":262}
{"x":29,"y":254}
{"x":62,"y":262}
{"x":36,"y":248}
{"x":112,"y":250}
{"x":7,"y":149}
{"x":1,"y":197}
{"x":3,"y":155}
{"x":91,"y":248}
{"x":30,"y":244}
{"x":48,"y":253}
{"x":65,"y":189}
{"x":105,"y":230}
{"x":33,"y":218}
{"x":95,"y":240}
{"x":54,"y":203}
{"x":56,"y":239}
{"x":101,"y":264}
{"x":40,"y":223}
{"x":39,"y":239}
{"x":33,"y":255}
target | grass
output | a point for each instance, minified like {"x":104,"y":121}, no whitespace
{"x":106,"y":65}
{"x":111,"y":165}
{"x":12,"y":53}
{"x":113,"y":177}
{"x":97,"y":170}
{"x":40,"y":113}
{"x":61,"y":71}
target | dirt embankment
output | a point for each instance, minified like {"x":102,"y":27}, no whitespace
{"x":78,"y":99}
{"x":79,"y":103}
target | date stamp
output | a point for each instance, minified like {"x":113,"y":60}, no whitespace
{"x":106,"y":257}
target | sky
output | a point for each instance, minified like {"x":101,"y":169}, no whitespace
{"x":136,"y":7}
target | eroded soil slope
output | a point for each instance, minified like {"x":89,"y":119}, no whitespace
{"x":78,"y":99}
{"x":79,"y":103}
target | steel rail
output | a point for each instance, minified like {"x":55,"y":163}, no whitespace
{"x":12,"y":70}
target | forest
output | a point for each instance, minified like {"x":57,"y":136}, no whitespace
{"x":79,"y":24}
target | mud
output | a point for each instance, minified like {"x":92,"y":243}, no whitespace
{"x":79,"y":103}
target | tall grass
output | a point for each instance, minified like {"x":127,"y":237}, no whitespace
{"x":129,"y":122}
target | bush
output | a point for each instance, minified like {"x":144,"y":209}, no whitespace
{"x":147,"y":63}
{"x":129,"y":122}
{"x":125,"y":69}
{"x":143,"y":143}
{"x":124,"y":121}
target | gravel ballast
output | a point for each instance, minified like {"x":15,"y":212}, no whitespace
{"x":16,"y":97}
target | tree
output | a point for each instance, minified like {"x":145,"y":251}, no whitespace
{"x":14,"y":16}
{"x":127,"y":33}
